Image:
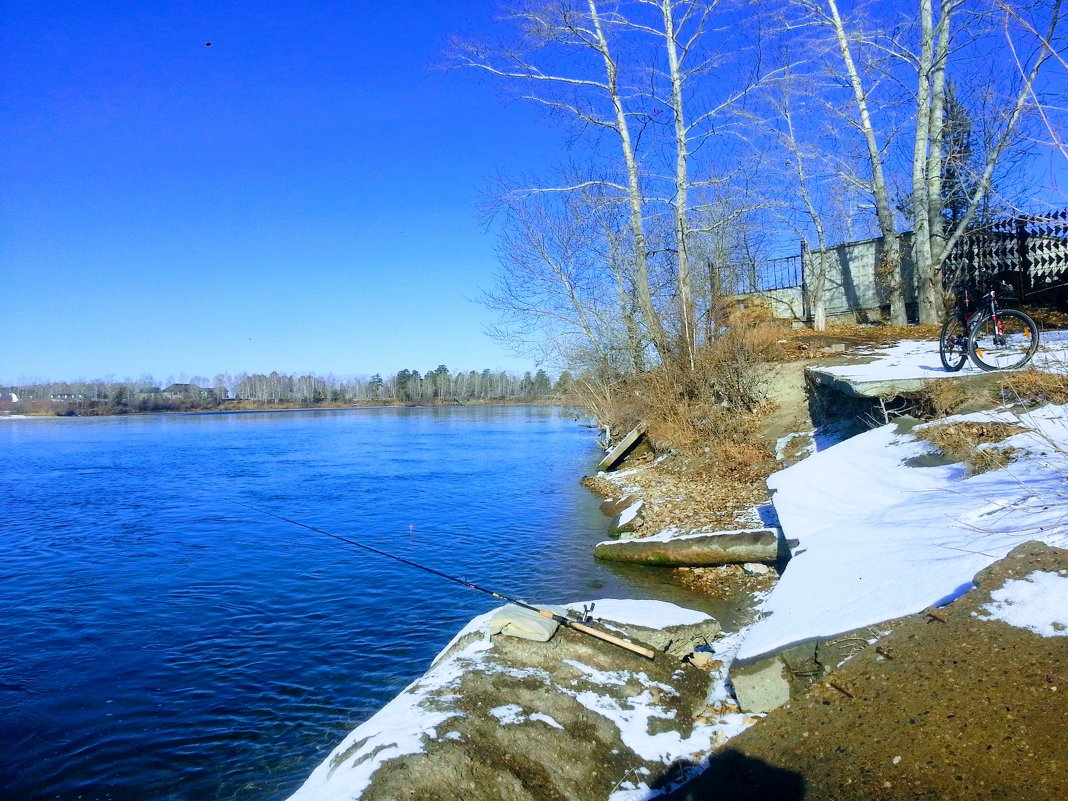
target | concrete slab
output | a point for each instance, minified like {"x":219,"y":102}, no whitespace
{"x":620,"y":451}
{"x":888,"y":387}
{"x":702,"y":549}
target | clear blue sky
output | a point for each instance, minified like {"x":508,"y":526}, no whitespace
{"x":299,"y":196}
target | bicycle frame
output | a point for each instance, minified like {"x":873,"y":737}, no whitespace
{"x":988,"y":304}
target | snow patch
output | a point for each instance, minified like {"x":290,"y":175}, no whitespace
{"x":912,"y":359}
{"x":548,"y":720}
{"x":509,"y":714}
{"x":631,"y":512}
{"x":1038,"y":602}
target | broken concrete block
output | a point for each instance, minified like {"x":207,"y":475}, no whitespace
{"x":761,"y":686}
{"x":627,"y":519}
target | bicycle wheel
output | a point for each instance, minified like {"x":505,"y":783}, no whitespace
{"x":953,"y":345}
{"x":1005,"y":343}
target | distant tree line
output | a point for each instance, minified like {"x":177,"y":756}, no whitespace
{"x":440,"y":385}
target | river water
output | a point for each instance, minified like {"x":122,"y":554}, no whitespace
{"x":158,"y":641}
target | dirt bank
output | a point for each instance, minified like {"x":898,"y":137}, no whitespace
{"x":950,"y":705}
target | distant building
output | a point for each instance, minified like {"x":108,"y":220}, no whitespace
{"x":187,"y":392}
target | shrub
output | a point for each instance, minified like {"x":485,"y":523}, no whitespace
{"x":718,"y":398}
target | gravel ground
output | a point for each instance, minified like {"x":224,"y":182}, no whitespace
{"x":947,"y":706}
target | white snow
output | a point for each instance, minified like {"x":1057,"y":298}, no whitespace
{"x":880,"y":538}
{"x":677,"y":534}
{"x":631,"y":512}
{"x":548,"y":720}
{"x":633,"y":718}
{"x":1038,"y":602}
{"x":511,"y":714}
{"x":912,"y":358}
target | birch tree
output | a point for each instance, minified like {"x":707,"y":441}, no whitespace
{"x":879,"y":189}
{"x":635,"y":69}
{"x":932,"y":241}
{"x":592,"y":95}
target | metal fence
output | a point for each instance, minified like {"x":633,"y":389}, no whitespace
{"x":1029,"y":252}
{"x":762,"y":276}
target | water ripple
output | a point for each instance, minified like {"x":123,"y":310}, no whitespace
{"x":159,"y":642}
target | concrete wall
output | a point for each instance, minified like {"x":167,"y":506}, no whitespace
{"x":851,"y":286}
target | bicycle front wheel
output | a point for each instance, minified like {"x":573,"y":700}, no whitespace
{"x":953,"y":345}
{"x":1003,"y":342}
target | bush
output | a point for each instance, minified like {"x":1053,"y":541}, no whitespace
{"x":716,"y":400}
{"x":960,"y":442}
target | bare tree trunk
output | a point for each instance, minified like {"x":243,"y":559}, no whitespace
{"x":921,"y":231}
{"x":634,"y":194}
{"x":687,"y":330}
{"x":936,"y":223}
{"x":883,"y":210}
{"x":929,"y":237}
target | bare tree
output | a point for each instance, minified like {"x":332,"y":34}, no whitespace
{"x":591,"y":94}
{"x":564,"y":287}
{"x":641,"y":70}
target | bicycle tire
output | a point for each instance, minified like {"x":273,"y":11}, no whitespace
{"x":953,"y":345}
{"x":1006,"y":349}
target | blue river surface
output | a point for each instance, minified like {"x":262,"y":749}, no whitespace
{"x":158,"y":641}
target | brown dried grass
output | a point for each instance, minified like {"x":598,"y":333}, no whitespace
{"x":938,"y":399}
{"x":804,"y":343}
{"x":721,"y":397}
{"x":1034,"y":387}
{"x":960,"y":442}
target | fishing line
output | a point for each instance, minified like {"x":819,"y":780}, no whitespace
{"x":561,"y":619}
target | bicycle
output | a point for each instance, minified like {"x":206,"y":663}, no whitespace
{"x":994,"y":338}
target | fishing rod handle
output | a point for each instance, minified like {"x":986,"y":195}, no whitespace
{"x":648,"y":653}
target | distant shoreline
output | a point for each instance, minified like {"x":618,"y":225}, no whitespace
{"x":251,"y":407}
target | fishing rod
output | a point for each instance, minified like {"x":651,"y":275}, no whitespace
{"x":563,"y":620}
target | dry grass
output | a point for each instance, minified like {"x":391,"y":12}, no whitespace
{"x":1046,"y":317}
{"x":721,"y":398}
{"x":677,"y":497}
{"x":960,"y":442}
{"x":938,"y":399}
{"x":804,"y":343}
{"x":1034,"y":387}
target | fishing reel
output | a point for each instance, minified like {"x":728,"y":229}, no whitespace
{"x":585,"y":616}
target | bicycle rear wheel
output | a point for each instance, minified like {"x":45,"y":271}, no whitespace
{"x":953,"y":345}
{"x":1004,"y":343}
